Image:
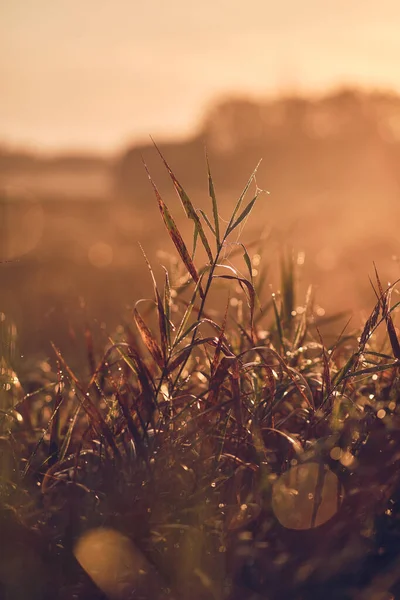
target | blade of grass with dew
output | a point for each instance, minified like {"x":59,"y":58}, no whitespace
{"x":174,"y":232}
{"x":163,"y":322}
{"x":243,"y":215}
{"x":89,"y":407}
{"x":211,"y":191}
{"x":239,"y":202}
{"x":178,"y":360}
{"x":54,"y":442}
{"x":221,"y":373}
{"x":278,"y":323}
{"x":288,"y":290}
{"x":206,"y":219}
{"x":134,"y":361}
{"x":187,"y":314}
{"x":189,"y":209}
{"x":196,"y":324}
{"x":385,"y":298}
{"x":68,"y":436}
{"x":236,"y":395}
{"x":301,"y":330}
{"x":326,"y":379}
{"x":148,"y":338}
{"x":246,"y":286}
{"x":217,"y":352}
{"x":167,"y":304}
{"x":133,"y":430}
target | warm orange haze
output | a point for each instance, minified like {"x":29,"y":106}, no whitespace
{"x":84,"y":82}
{"x":199,"y":329}
{"x":93,"y":75}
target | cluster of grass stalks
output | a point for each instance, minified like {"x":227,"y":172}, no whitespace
{"x":227,"y":458}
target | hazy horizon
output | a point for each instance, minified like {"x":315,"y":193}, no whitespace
{"x":96,"y":76}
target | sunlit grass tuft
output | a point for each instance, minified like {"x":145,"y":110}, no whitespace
{"x":206,"y":456}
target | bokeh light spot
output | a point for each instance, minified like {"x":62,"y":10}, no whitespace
{"x":100,"y":254}
{"x":306,"y":496}
{"x":112,"y":561}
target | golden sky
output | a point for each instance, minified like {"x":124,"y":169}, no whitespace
{"x":97,"y":74}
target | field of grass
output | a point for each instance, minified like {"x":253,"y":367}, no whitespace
{"x":229,"y":456}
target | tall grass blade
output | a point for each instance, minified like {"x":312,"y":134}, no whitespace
{"x":217,"y":353}
{"x":385,"y":298}
{"x":278,"y":323}
{"x":242,"y":216}
{"x":207,"y":220}
{"x":242,"y":195}
{"x":288,"y":289}
{"x":248,"y":288}
{"x":64,"y":450}
{"x":174,"y":232}
{"x":188,"y":207}
{"x":167,"y":304}
{"x":186,"y":316}
{"x":211,"y":191}
{"x":148,"y":339}
{"x":96,"y":419}
{"x":163,"y":322}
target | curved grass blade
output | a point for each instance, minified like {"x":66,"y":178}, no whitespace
{"x":96,"y":418}
{"x":241,"y":198}
{"x":385,"y":300}
{"x":244,"y":283}
{"x":188,"y":207}
{"x":148,"y":339}
{"x":134,"y":361}
{"x":174,"y":232}
{"x":196,"y":324}
{"x":163,"y":322}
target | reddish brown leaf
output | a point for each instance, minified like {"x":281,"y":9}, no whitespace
{"x":148,"y":339}
{"x":174,"y":233}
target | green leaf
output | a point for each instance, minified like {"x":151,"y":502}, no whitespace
{"x":246,"y":286}
{"x":242,"y":216}
{"x":242,"y":195}
{"x":203,"y":214}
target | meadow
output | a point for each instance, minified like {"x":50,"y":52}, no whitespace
{"x":225,"y":442}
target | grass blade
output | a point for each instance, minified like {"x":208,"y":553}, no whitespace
{"x":211,"y":191}
{"x":174,"y":232}
{"x":207,"y":220}
{"x":148,"y":339}
{"x":241,"y":198}
{"x":186,"y":316}
{"x":188,"y":208}
{"x":246,"y":285}
{"x":242,"y":216}
{"x":384,"y":299}
{"x":163,"y":323}
{"x":96,"y":418}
